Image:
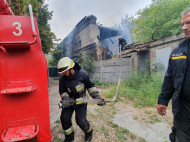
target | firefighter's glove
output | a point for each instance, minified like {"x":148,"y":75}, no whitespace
{"x":102,"y":102}
{"x":66,"y":101}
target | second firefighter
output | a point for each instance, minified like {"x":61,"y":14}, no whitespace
{"x":73,"y":85}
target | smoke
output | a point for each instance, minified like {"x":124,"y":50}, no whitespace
{"x":106,"y":32}
{"x":66,"y":43}
{"x":111,"y":44}
{"x":125,"y":28}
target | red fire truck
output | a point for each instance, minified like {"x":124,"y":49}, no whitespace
{"x":24,"y":102}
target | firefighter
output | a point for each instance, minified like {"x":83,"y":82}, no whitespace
{"x":73,"y":85}
{"x":176,"y":86}
{"x":122,"y":43}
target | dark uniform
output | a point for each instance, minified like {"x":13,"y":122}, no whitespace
{"x":122,"y":43}
{"x":75,"y":87}
{"x":177,"y":85}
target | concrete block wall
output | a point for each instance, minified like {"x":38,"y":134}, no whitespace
{"x":109,"y":70}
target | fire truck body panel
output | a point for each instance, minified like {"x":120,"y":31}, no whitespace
{"x":4,"y":8}
{"x":24,"y":100}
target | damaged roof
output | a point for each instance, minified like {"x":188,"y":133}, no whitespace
{"x":106,"y":32}
{"x":135,"y":47}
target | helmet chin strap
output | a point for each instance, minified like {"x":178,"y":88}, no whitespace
{"x":70,"y":74}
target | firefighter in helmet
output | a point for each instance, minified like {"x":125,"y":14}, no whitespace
{"x":73,"y":85}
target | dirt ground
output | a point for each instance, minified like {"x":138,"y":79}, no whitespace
{"x":115,"y":122}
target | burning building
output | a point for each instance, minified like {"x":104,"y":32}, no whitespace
{"x":88,"y":37}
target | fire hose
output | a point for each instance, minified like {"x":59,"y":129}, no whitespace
{"x":64,"y":104}
{"x":91,"y":101}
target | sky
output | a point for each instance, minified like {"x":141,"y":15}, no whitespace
{"x":67,"y":13}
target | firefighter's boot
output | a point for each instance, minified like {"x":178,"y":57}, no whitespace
{"x":88,"y":136}
{"x":69,"y":138}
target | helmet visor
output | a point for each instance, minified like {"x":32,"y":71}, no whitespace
{"x":62,"y":70}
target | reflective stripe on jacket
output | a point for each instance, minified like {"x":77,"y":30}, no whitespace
{"x":174,"y":76}
{"x":75,"y":86}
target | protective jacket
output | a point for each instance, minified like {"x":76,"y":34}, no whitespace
{"x":122,"y":43}
{"x":174,"y":77}
{"x":75,"y":86}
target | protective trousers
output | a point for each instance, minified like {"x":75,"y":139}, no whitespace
{"x":80,"y":117}
{"x":181,"y":131}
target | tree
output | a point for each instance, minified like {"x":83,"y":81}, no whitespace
{"x":86,"y":62}
{"x":57,"y":54}
{"x":161,"y":19}
{"x":20,"y":7}
{"x":47,"y":37}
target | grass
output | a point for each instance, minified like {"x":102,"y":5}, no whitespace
{"x":135,"y":117}
{"x":109,"y":111}
{"x":110,"y":93}
{"x":102,"y":84}
{"x":141,"y":87}
{"x":143,"y":140}
{"x":121,"y":132}
{"x":152,"y":118}
{"x":58,"y":121}
{"x":133,"y":136}
{"x":105,"y":131}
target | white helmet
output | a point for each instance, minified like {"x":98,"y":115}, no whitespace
{"x":65,"y":64}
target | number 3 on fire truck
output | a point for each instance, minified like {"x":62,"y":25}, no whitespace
{"x":18,"y":29}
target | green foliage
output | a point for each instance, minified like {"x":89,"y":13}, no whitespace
{"x":86,"y":62}
{"x":20,"y":7}
{"x":40,"y":11}
{"x":142,"y":87}
{"x":161,"y":19}
{"x":111,"y":93}
{"x":58,"y":121}
{"x":105,"y":131}
{"x":125,"y":26}
{"x":133,"y":136}
{"x":96,"y":82}
{"x":47,"y":37}
{"x":57,"y":54}
{"x":120,"y":132}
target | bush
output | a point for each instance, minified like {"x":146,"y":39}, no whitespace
{"x":142,"y":87}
